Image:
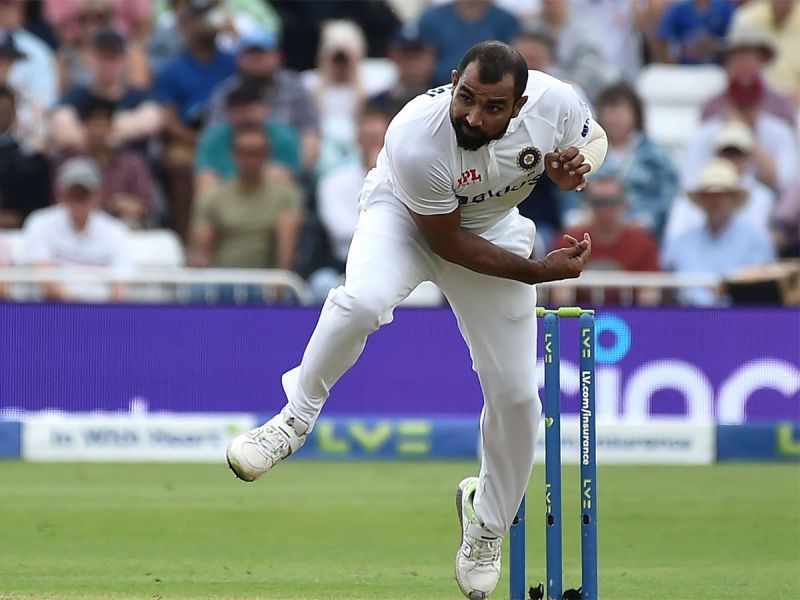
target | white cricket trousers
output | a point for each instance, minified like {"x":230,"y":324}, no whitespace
{"x":387,"y":260}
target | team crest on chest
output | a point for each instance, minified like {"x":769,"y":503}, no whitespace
{"x":528,"y":158}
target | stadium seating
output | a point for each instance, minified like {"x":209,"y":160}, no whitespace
{"x":674,"y":96}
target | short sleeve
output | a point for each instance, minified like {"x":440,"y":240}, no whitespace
{"x":667,"y":26}
{"x":202,"y":212}
{"x":574,"y":118}
{"x":166,"y":89}
{"x":204,"y":156}
{"x":35,"y":246}
{"x":290,"y":200}
{"x":306,"y":114}
{"x":285,"y":145}
{"x":420,"y":177}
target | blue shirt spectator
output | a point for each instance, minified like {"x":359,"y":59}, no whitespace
{"x":452,"y":28}
{"x":694,"y":30}
{"x":187,"y":83}
{"x":723,"y":244}
{"x":79,"y":97}
{"x":648,"y":175}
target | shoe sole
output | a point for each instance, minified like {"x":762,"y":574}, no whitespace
{"x":234,"y":471}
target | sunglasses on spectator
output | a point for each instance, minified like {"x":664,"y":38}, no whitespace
{"x":250,"y":151}
{"x":732,"y":152}
{"x":606,"y":201}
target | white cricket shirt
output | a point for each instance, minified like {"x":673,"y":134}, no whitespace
{"x":431,"y":175}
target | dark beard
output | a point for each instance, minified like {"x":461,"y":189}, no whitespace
{"x":477,"y":139}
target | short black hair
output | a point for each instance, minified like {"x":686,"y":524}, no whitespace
{"x":495,"y":61}
{"x":244,"y":94}
{"x":619,"y":93}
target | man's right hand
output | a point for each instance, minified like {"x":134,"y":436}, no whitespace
{"x":567,"y":263}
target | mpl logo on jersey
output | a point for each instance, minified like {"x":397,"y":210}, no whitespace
{"x":469,"y":177}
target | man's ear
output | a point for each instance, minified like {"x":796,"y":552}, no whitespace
{"x":454,"y":77}
{"x":518,"y":106}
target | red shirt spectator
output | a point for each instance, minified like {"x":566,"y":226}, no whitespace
{"x":617,"y":245}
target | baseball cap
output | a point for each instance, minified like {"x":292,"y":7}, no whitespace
{"x":408,"y":37}
{"x":258,"y":39}
{"x":79,"y":171}
{"x":198,"y":7}
{"x":109,"y":39}
{"x":8,"y":46}
{"x":746,"y":88}
{"x":735,"y":134}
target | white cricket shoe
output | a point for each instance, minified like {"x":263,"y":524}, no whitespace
{"x":252,"y":454}
{"x":478,"y":558}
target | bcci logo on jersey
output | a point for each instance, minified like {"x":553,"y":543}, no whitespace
{"x":528,"y":158}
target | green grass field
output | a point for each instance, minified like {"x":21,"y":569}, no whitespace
{"x":378,"y":530}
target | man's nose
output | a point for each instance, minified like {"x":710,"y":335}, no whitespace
{"x":474,"y":118}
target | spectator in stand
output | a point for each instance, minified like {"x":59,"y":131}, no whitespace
{"x":78,"y":21}
{"x":250,"y":222}
{"x":647,"y":173}
{"x":617,"y":243}
{"x":215,"y":161}
{"x":33,"y":21}
{"x":74,"y":233}
{"x":184,"y":87}
{"x":130,"y":17}
{"x":538,"y":47}
{"x":723,"y":243}
{"x":337,"y":199}
{"x":734,"y":143}
{"x":775,"y":153}
{"x":37,"y":74}
{"x":237,"y":18}
{"x":338,"y":85}
{"x":781,"y":18}
{"x":30,"y":123}
{"x":578,"y":53}
{"x":415,"y":60}
{"x":786,"y":221}
{"x":692,"y":31}
{"x":750,"y":50}
{"x":454,"y":27}
{"x":137,"y":118}
{"x":24,"y":173}
{"x":127,"y":190}
{"x":303,"y":20}
{"x":622,"y":23}
{"x":259,"y":63}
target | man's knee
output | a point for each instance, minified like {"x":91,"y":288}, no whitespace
{"x":513,"y":390}
{"x":364,"y":308}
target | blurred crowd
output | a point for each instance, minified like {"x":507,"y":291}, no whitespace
{"x":247,"y":126}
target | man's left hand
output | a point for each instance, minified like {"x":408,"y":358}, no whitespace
{"x":567,"y":169}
